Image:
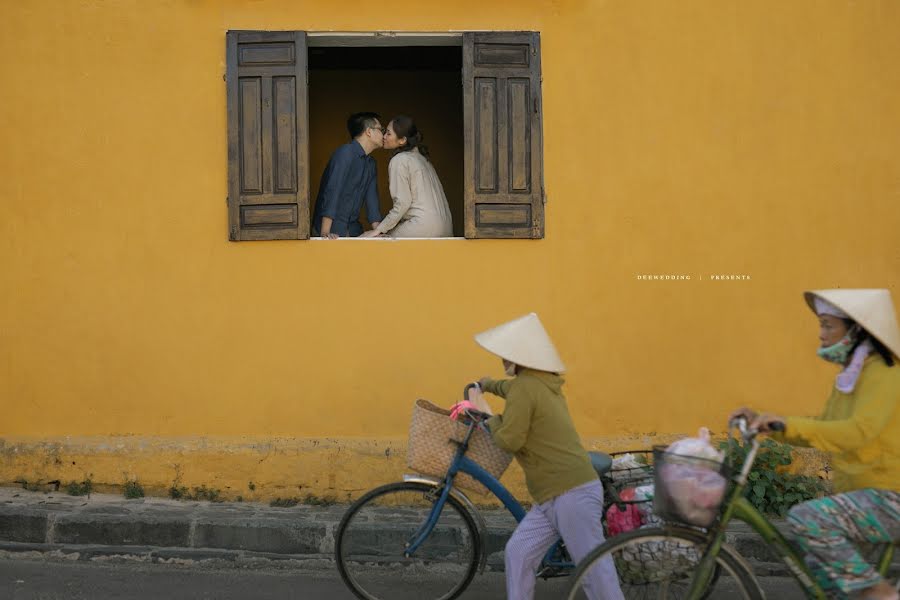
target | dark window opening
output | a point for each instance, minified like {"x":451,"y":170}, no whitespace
{"x":424,"y":82}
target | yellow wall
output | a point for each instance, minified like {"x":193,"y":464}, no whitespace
{"x":686,"y":137}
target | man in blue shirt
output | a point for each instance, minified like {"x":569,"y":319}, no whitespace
{"x":349,"y":180}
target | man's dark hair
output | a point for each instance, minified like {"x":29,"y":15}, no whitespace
{"x":359,"y":122}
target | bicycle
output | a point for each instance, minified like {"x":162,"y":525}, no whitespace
{"x":424,"y":530}
{"x":687,"y":557}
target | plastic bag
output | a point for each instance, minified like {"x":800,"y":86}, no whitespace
{"x":625,"y":519}
{"x":625,"y":461}
{"x":622,"y":465}
{"x":696,"y":488}
{"x":696,"y":491}
{"x":474,"y":401}
{"x":457,"y":411}
{"x":698,"y":446}
{"x":644,"y":494}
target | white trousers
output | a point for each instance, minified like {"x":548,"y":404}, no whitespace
{"x":575,"y":516}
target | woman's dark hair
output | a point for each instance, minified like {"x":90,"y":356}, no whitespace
{"x":405,"y":127}
{"x":864,"y":335}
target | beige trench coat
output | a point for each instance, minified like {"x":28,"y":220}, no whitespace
{"x":420,"y":206}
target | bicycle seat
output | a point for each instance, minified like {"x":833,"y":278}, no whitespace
{"x":601,"y":462}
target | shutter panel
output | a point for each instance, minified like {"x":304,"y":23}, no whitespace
{"x":504,"y":160}
{"x":268,"y":135}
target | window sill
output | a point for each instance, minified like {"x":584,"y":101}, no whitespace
{"x":384,"y":239}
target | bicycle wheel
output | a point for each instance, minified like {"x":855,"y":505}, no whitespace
{"x":659,"y":562}
{"x":373,"y":535}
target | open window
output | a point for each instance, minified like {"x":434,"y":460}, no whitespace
{"x":475,"y":95}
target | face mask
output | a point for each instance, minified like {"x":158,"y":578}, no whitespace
{"x":838,"y":353}
{"x":511,"y":370}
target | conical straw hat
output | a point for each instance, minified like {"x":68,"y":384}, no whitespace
{"x":872,"y":309}
{"x":525,"y":342}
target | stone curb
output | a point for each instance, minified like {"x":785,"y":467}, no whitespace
{"x":157,"y":529}
{"x":178,"y":555}
{"x":241,"y":558}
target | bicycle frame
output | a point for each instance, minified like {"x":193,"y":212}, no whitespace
{"x":736,"y":506}
{"x":462,"y":464}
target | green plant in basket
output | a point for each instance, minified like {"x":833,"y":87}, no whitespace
{"x":771,"y":488}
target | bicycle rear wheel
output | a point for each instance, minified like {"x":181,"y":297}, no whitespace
{"x":660,"y":562}
{"x":374,"y":533}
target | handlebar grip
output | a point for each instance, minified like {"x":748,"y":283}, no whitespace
{"x":467,"y":388}
{"x":776,"y":426}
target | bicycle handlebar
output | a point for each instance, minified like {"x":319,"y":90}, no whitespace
{"x":740,"y":423}
{"x":477,"y":414}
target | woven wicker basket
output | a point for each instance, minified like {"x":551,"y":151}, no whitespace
{"x":430,"y":451}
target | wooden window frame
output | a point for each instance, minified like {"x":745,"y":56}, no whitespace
{"x":267,"y":90}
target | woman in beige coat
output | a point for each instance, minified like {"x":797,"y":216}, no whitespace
{"x":420,"y":206}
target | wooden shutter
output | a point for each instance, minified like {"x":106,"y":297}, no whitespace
{"x":504,"y":161}
{"x":268,"y":135}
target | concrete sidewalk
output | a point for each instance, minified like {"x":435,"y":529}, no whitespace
{"x":156,"y":529}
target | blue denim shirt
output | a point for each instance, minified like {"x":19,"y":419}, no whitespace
{"x":349,"y":180}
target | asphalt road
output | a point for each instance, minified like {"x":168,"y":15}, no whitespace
{"x":38,"y":579}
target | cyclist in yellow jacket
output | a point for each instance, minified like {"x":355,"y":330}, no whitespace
{"x":860,"y":427}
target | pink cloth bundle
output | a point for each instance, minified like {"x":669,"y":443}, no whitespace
{"x":457,"y":410}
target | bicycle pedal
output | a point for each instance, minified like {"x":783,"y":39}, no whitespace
{"x":552,"y":573}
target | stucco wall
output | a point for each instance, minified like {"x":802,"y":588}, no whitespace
{"x":680,"y":137}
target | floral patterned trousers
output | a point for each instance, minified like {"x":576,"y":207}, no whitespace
{"x":831,"y":529}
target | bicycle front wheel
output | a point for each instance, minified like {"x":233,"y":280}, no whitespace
{"x":660,"y":563}
{"x":376,"y":530}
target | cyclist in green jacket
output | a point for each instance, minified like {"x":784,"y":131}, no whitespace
{"x":536,"y":427}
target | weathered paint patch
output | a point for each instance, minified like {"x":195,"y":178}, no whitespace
{"x":333,"y":468}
